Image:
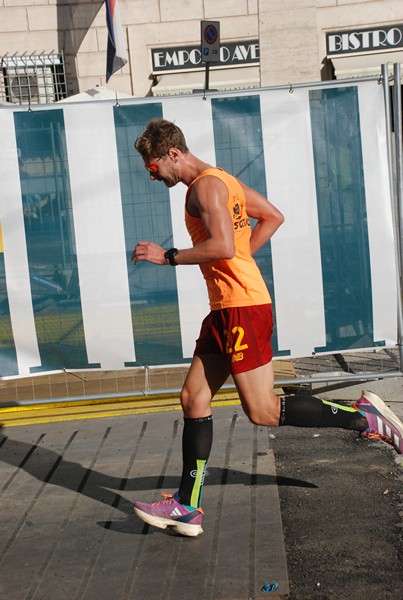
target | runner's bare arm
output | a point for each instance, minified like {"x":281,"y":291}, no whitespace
{"x":208,"y":200}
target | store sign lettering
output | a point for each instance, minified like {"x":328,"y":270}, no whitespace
{"x":189,"y":57}
{"x":365,"y":40}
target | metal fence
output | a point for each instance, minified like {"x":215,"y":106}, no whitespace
{"x":290,"y":375}
{"x":343,"y":367}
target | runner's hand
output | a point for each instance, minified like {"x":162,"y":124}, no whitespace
{"x":150,"y":252}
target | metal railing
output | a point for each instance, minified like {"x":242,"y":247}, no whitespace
{"x":341,"y":369}
{"x":30,"y":79}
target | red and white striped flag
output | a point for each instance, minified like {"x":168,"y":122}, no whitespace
{"x":116,"y":57}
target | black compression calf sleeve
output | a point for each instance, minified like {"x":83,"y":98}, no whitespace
{"x":197,"y":440}
{"x":309,"y":411}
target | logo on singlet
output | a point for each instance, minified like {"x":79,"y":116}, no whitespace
{"x":237,"y":357}
{"x":239,"y":221}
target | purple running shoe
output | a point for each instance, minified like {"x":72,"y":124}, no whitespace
{"x":171,"y":513}
{"x":382,"y":421}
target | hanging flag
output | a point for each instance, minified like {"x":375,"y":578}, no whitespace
{"x":116,"y":57}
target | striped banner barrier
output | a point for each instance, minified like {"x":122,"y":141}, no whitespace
{"x":75,"y":198}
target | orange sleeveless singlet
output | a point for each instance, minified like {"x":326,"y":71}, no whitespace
{"x":237,"y":281}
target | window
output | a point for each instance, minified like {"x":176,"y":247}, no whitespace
{"x":32,"y":79}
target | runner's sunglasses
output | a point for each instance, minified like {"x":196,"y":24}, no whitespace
{"x":153,"y":168}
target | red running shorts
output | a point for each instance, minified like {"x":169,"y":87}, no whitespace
{"x":243,"y":334}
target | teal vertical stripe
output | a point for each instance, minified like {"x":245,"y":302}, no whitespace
{"x":342,"y":217}
{"x":239,"y":150}
{"x":8,"y":362}
{"x":147,"y":217}
{"x":49,"y":230}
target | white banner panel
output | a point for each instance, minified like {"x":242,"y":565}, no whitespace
{"x":295,"y":246}
{"x":15,"y":251}
{"x":100,"y":241}
{"x":192,"y":292}
{"x":380,"y":224}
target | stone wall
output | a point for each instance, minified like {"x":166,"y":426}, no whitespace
{"x":79,"y":28}
{"x":291,"y":33}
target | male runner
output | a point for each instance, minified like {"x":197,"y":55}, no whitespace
{"x":235,"y":337}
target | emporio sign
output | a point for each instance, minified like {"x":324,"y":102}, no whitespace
{"x":189,"y":57}
{"x":375,"y":39}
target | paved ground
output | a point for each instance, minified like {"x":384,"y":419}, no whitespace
{"x":344,"y":536}
{"x":66,"y":523}
{"x":67,"y":528}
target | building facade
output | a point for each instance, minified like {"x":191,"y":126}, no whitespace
{"x":50,"y":49}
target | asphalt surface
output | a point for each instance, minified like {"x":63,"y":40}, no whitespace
{"x":292,"y":513}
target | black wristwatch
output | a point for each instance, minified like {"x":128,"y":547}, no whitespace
{"x":170,"y":256}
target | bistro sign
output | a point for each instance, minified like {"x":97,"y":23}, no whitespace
{"x":375,"y":39}
{"x":189,"y":57}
